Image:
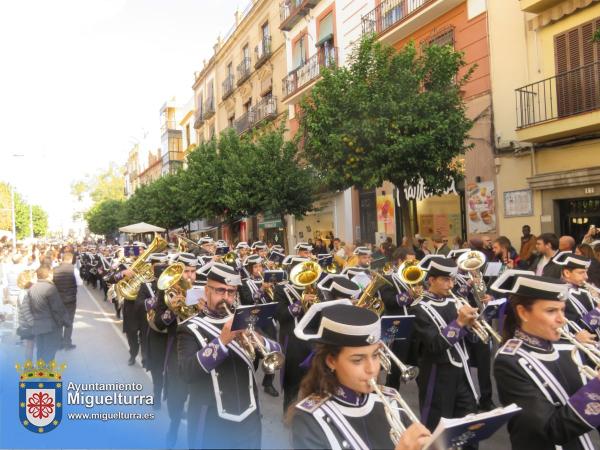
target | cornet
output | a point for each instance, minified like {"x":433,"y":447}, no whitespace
{"x":387,"y":357}
{"x":481,"y":328}
{"x":397,"y":428}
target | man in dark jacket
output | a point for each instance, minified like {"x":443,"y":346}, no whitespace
{"x":547,"y":247}
{"x":49,"y":314}
{"x":66,"y":282}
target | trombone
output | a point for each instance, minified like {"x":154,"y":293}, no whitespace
{"x":250,"y":342}
{"x":589,"y":350}
{"x":392,"y":414}
{"x":481,"y":328}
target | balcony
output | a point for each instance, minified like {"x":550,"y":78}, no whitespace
{"x":262,"y":52}
{"x":198,"y":118}
{"x":264,"y":110}
{"x":394,"y":20}
{"x":537,"y":6}
{"x":244,"y":69}
{"x":168,"y":125}
{"x":228,"y":86}
{"x":291,"y":11}
{"x":208,"y":110}
{"x":563,"y":105}
{"x":308,"y":72}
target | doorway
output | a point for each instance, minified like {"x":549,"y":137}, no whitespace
{"x":576,"y":216}
{"x":368,"y":216}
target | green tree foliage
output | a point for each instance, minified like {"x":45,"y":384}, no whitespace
{"x":107,"y":185}
{"x":105,"y":217}
{"x":22,"y":217}
{"x":390,"y":115}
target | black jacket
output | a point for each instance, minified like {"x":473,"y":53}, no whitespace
{"x":66,"y":283}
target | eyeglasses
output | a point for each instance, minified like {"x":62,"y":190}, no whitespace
{"x":223,"y":291}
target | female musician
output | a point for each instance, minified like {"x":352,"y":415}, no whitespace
{"x":339,"y":409}
{"x":539,"y":375}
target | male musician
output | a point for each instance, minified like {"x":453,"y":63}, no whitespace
{"x":303,"y":250}
{"x":260,"y":248}
{"x":206,"y":244}
{"x":338,"y":287}
{"x":581,"y":310}
{"x":445,"y":385}
{"x":364,"y":257}
{"x":289,"y":311}
{"x":165,"y":319}
{"x":223,"y":410}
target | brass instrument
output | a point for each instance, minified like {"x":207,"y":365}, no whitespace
{"x":230,"y":259}
{"x":143,"y":272}
{"x":368,"y":299}
{"x":387,"y":357}
{"x":26,"y":279}
{"x":392,"y":414}
{"x":471,"y":262}
{"x":591,"y":351}
{"x":185,"y":244}
{"x":481,"y":328}
{"x":594,"y":292}
{"x":387,"y":269}
{"x":412,"y":276}
{"x":306,"y":275}
{"x":175,"y":286}
{"x":251,"y":343}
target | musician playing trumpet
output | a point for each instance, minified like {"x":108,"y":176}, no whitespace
{"x":339,"y":408}
{"x":544,"y":378}
{"x":223,"y":409}
{"x":581,"y":310}
{"x":446,"y":388}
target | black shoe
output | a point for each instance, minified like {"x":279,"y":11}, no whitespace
{"x":271,"y":391}
{"x":487,"y":405}
{"x":69,"y":346}
{"x":131,"y":361}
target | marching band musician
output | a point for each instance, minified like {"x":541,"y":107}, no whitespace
{"x":207,"y":246}
{"x":337,"y":286}
{"x":165,"y":319}
{"x":538,"y":374}
{"x":118,"y":272}
{"x":256,"y":290}
{"x":338,"y":408}
{"x":446,"y":388}
{"x":223,"y":410}
{"x":260,"y":248}
{"x":242,"y":249}
{"x":364,"y":257}
{"x":580,"y":309}
{"x":289,"y":310}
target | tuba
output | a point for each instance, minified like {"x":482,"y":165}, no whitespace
{"x":143,"y":272}
{"x":412,"y":275}
{"x":306,"y":275}
{"x":368,"y":299}
{"x":175,"y":286}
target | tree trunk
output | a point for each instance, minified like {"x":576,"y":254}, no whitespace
{"x":285,"y":232}
{"x":407,"y":228}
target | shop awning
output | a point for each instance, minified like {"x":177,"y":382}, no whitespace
{"x":557,"y":12}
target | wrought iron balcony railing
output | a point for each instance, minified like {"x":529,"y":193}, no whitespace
{"x":569,"y":93}
{"x":390,"y":13}
{"x":291,"y":11}
{"x":309,"y":71}
{"x":228,"y":86}
{"x":244,"y":69}
{"x":262,"y":52}
{"x":208,"y":110}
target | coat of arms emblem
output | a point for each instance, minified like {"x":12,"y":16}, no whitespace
{"x":40,"y":395}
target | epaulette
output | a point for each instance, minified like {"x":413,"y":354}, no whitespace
{"x":311,"y":403}
{"x":510,"y":347}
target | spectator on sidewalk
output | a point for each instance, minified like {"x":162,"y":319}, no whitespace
{"x":66,"y":280}
{"x":440,"y":246}
{"x":25,"y":323}
{"x":49,"y":314}
{"x":526,"y":252}
{"x":566,"y":244}
{"x":547,"y":247}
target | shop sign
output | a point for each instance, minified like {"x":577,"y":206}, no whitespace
{"x":271,"y":224}
{"x":481,"y":208}
{"x":419,"y":192}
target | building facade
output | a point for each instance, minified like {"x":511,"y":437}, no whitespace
{"x":546,"y":114}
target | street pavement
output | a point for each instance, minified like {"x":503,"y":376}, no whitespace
{"x":102,"y":354}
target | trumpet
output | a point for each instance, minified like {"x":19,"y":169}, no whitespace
{"x":481,"y":328}
{"x":594,"y":292}
{"x":392,"y":414}
{"x":412,"y":275}
{"x":589,"y":350}
{"x":387,"y":357}
{"x":251,"y":343}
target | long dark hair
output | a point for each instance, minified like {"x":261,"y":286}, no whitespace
{"x":513,"y":321}
{"x":319,"y":380}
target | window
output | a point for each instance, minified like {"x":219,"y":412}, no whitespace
{"x":230,"y":120}
{"x":248,"y":105}
{"x":441,"y":37}
{"x":246,"y":52}
{"x":229,"y":70}
{"x":299,"y":52}
{"x":326,"y":31}
{"x":188,"y":136}
{"x":265,"y":31}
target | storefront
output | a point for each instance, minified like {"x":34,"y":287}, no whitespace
{"x":318,"y":223}
{"x":270,"y":229}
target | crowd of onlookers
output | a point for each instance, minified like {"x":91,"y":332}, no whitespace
{"x":39,"y":288}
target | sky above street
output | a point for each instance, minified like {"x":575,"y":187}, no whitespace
{"x":82,"y":80}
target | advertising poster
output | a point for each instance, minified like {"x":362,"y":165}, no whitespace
{"x":481,"y":207}
{"x":385,"y":214}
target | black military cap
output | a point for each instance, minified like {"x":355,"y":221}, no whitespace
{"x":339,"y":323}
{"x":438,"y":266}
{"x":189,"y":259}
{"x":224,"y":274}
{"x":524,"y":283}
{"x":340,"y":286}
{"x":570,"y":260}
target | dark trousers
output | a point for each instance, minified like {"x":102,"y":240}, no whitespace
{"x":444,"y":392}
{"x":212,"y":431}
{"x":68,"y":329}
{"x":136,"y":338}
{"x":482,"y":354}
{"x":47,"y":344}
